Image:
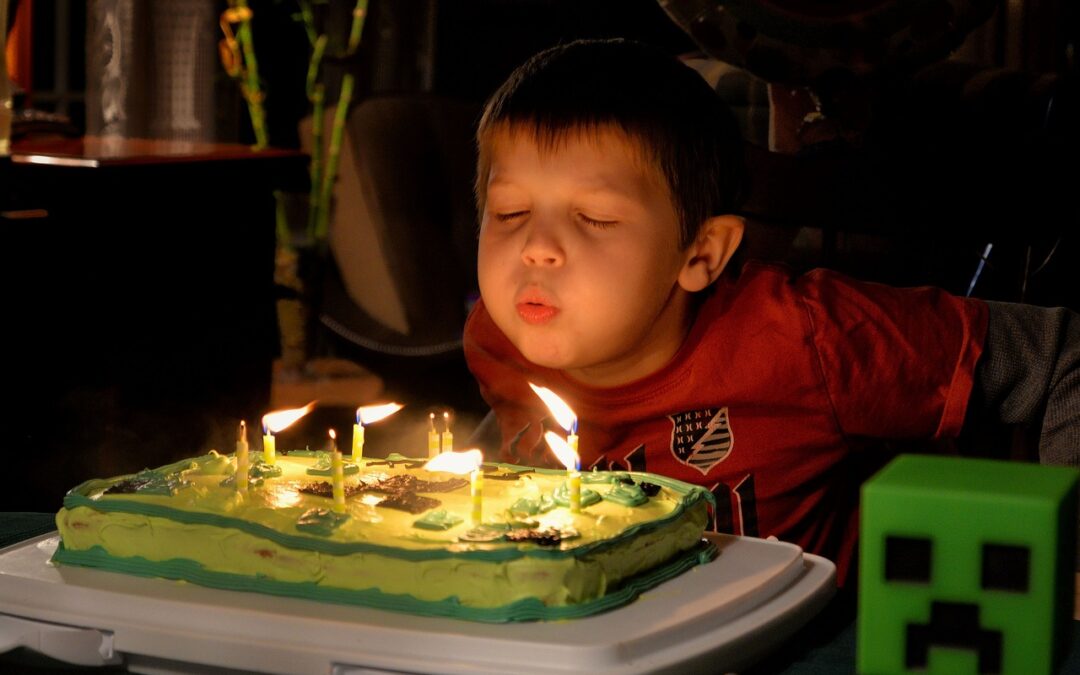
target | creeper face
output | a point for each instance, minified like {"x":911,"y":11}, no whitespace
{"x":966,"y":566}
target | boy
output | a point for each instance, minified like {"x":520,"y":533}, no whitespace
{"x":607,"y":177}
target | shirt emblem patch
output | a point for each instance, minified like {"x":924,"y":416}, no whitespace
{"x":701,"y":438}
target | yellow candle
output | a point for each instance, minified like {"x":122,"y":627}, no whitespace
{"x":447,"y":437}
{"x":337,"y":472}
{"x":358,"y":442}
{"x":575,"y":491}
{"x":477,"y":492}
{"x":269,"y":449}
{"x":432,"y":437}
{"x":242,"y":458}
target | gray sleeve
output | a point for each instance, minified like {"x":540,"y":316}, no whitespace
{"x":1029,"y":374}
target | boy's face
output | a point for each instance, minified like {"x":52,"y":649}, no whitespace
{"x":579,"y":257}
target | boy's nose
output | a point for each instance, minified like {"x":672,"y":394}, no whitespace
{"x":542,"y":249}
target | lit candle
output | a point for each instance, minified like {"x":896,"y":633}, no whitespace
{"x":337,"y":472}
{"x":447,"y":437}
{"x":462,"y":463}
{"x":358,"y":439}
{"x":276,"y":422}
{"x":562,"y":413}
{"x":572,"y":463}
{"x":366,"y":415}
{"x":432,"y":438}
{"x":242,"y":457}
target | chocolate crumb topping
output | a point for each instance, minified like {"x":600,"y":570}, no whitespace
{"x":498,"y":475}
{"x":326,"y":489}
{"x":409,"y":502}
{"x":409,"y":483}
{"x":129,"y":486}
{"x":546,"y":537}
{"x":650,"y":489}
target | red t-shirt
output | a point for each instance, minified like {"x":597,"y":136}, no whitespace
{"x":780,"y":382}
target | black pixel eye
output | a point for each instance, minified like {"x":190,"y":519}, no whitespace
{"x":908,"y":559}
{"x":1005,"y":568}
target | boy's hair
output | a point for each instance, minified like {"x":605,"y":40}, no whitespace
{"x":679,"y":123}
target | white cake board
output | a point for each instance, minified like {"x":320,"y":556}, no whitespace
{"x":715,"y":618}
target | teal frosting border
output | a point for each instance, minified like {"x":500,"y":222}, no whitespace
{"x":530,"y":609}
{"x":77,"y":496}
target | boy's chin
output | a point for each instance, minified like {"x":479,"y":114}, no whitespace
{"x":545,"y":356}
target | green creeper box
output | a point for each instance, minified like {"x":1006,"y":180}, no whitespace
{"x":966,"y":566}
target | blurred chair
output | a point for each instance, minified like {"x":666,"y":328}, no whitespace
{"x":403,"y":243}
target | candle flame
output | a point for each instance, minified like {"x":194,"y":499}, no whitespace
{"x":279,"y":420}
{"x":562,"y":450}
{"x":333,"y":435}
{"x":563,"y":414}
{"x":374,"y":413}
{"x":333,"y":441}
{"x":456,"y":462}
{"x":241,"y":432}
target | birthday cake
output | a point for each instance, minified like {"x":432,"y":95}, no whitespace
{"x":408,"y":539}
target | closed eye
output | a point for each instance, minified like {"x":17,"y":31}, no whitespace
{"x":507,"y":217}
{"x":601,"y":224}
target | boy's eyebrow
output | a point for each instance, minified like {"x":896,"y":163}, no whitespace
{"x":602,"y":187}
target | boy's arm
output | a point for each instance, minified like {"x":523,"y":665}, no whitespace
{"x":1030,"y":372}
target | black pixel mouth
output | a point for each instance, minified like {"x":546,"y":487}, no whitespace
{"x":954,"y":625}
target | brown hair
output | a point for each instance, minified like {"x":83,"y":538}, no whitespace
{"x":678,"y":122}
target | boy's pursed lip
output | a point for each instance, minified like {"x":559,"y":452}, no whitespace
{"x":536,"y":313}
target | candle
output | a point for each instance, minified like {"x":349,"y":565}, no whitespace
{"x":269,"y":447}
{"x":366,"y":415}
{"x":432,"y":437}
{"x":462,"y":463}
{"x":242,"y":457}
{"x":476,"y":490}
{"x":447,"y":437}
{"x":357,"y":440}
{"x":337,"y":471}
{"x":562,"y":413}
{"x":275,"y":422}
{"x":575,"y":491}
{"x":572,"y":463}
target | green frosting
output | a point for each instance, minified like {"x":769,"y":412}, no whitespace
{"x":438,"y":520}
{"x":526,"y":609}
{"x":530,"y":506}
{"x":593,"y":477}
{"x":322,"y":522}
{"x":212,"y":464}
{"x":260,"y":469}
{"x":323,"y":466}
{"x":627,"y":494}
{"x":561,"y":496}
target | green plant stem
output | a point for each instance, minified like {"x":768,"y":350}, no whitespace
{"x":252,"y":90}
{"x":348,"y":81}
{"x":316,"y":92}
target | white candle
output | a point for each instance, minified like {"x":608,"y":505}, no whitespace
{"x":432,"y":437}
{"x":242,"y":458}
{"x":337,"y":472}
{"x":447,"y":437}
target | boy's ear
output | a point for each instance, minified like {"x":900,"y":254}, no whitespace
{"x":716,"y":242}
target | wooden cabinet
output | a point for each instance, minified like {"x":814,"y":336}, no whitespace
{"x":140,"y":315}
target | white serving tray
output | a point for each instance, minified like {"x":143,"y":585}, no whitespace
{"x":714,"y":618}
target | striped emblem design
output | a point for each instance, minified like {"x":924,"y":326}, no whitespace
{"x":701,"y":438}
